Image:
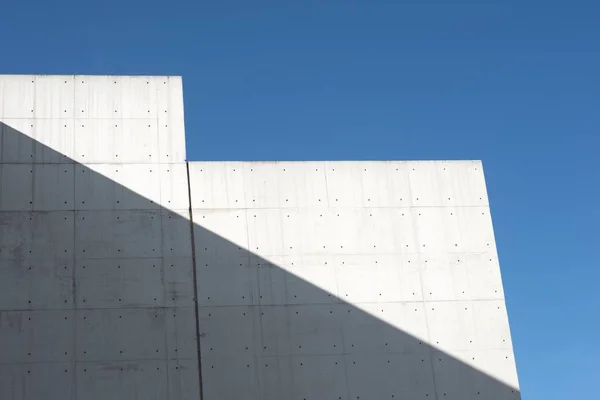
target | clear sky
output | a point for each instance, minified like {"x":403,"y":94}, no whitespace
{"x":513,"y":83}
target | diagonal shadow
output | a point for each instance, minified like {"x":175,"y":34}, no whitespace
{"x":98,"y":301}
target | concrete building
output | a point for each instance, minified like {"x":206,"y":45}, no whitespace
{"x":127,"y":272}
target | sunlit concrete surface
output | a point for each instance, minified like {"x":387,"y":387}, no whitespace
{"x":280,"y":280}
{"x":365,"y":280}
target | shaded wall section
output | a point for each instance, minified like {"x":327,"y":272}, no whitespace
{"x":96,"y":287}
{"x":314,"y":280}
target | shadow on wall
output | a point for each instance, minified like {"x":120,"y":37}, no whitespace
{"x":97,"y":301}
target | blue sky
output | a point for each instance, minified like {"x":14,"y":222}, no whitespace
{"x":515,"y":84}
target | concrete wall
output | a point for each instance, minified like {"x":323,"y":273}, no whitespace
{"x":96,"y":287}
{"x":349,"y":280}
{"x":314,"y":280}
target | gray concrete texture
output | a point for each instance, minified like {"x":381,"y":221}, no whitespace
{"x":128,"y":273}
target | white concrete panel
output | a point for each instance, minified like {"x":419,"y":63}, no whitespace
{"x":176,"y":233}
{"x":344,"y":231}
{"x":171,"y":140}
{"x":398,"y":186}
{"x":314,"y":231}
{"x":32,"y":140}
{"x":95,"y":140}
{"x":451,"y":325}
{"x":16,"y":143}
{"x":385,"y":184}
{"x":139,"y":96}
{"x":397,"y":283}
{"x":276,"y":378}
{"x":344,"y":184}
{"x":304,"y":339}
{"x":53,"y":187}
{"x":115,"y":283}
{"x":122,"y":380}
{"x":392,"y":277}
{"x":301,"y":184}
{"x":272,"y":283}
{"x":498,"y":364}
{"x":264,"y":231}
{"x":217,"y":185}
{"x":227,"y":281}
{"x":371,"y":282}
{"x":356,"y":284}
{"x":406,"y":328}
{"x":116,"y":140}
{"x":173,"y":186}
{"x":369,"y":184}
{"x":181,"y":334}
{"x":123,"y":334}
{"x":54,"y":140}
{"x":319,"y":377}
{"x":476,"y":232}
{"x":36,"y":283}
{"x":492,"y":330}
{"x":425,"y":184}
{"x":220,"y":231}
{"x":444,"y":277}
{"x":183,"y":379}
{"x":37,"y":336}
{"x":463,"y":183}
{"x":29,"y":381}
{"x":178,"y":281}
{"x":130,"y":186}
{"x":227,"y":331}
{"x":54,"y":96}
{"x":341,"y":231}
{"x":171,"y":130}
{"x":118,"y":234}
{"x":98,"y":97}
{"x":136,"y":140}
{"x":137,"y":186}
{"x":389,"y":376}
{"x":260,"y":185}
{"x":148,"y":282}
{"x":17,"y":96}
{"x":350,"y":231}
{"x":324,"y":286}
{"x":25,"y":235}
{"x":462,"y":276}
{"x":447,"y":183}
{"x":16,"y":182}
{"x":385,"y":230}
{"x":384,"y":328}
{"x":483,"y":274}
{"x":273,"y":332}
{"x":95,"y":187}
{"x":475,"y":375}
{"x":437,"y":230}
{"x":229,"y":377}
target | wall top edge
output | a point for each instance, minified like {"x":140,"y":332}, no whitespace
{"x":336,"y":161}
{"x":90,"y":75}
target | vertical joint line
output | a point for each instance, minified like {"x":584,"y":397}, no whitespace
{"x":74,"y":281}
{"x":195,"y":277}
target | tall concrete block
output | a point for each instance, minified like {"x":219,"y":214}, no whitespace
{"x":279,"y":280}
{"x":97,"y":296}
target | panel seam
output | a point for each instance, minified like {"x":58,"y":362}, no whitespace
{"x":195,"y":277}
